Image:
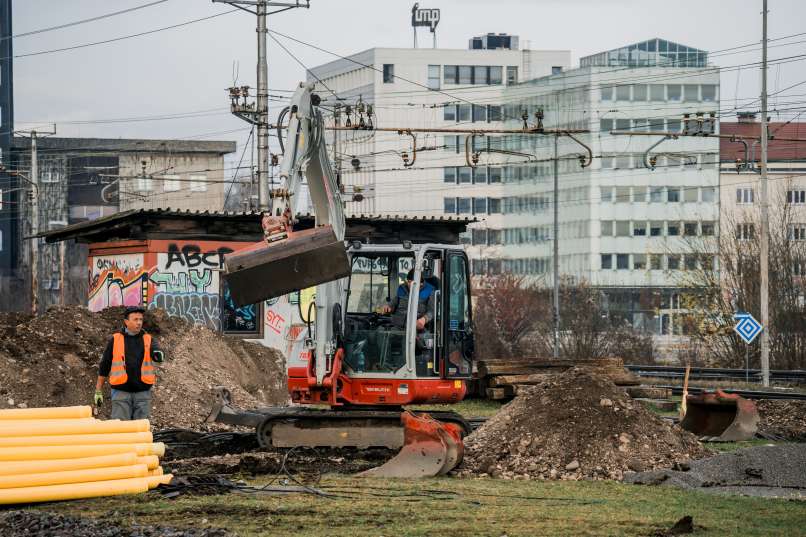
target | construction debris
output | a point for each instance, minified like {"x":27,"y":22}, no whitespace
{"x":771,"y":471}
{"x":782,"y":420}
{"x":52,"y":360}
{"x":575,"y":425}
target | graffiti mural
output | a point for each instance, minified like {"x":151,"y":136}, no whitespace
{"x":243,"y":320}
{"x":117,"y":280}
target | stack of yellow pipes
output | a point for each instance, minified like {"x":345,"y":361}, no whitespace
{"x":63,"y":453}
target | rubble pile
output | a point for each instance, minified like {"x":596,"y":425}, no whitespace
{"x":573,"y":426}
{"x":52,"y":360}
{"x":782,"y":419}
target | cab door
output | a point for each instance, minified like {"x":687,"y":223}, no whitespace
{"x":457,"y":358}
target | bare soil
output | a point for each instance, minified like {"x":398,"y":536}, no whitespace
{"x":576,"y":425}
{"x":52,"y":360}
{"x":780,"y":419}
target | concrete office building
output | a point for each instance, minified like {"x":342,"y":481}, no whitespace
{"x":625,"y":229}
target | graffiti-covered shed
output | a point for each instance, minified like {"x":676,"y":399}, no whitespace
{"x":159,"y":258}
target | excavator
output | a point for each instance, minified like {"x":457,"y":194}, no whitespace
{"x":362,"y":362}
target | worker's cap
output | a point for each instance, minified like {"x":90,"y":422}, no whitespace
{"x":133,"y":309}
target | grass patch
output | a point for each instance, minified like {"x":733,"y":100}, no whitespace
{"x":727,"y":447}
{"x":469,"y":408}
{"x":457,"y":507}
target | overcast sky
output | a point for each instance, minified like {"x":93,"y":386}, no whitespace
{"x":187,"y":69}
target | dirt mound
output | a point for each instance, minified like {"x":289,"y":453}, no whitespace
{"x":782,"y":419}
{"x":44,"y":524}
{"x":575,"y":426}
{"x":52,"y":360}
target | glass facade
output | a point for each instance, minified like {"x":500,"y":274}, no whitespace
{"x":652,"y":53}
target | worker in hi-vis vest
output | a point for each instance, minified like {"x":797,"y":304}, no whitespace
{"x":128,"y":363}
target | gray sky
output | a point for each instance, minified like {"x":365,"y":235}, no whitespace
{"x":186,"y":69}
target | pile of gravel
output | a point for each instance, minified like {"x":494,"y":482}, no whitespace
{"x":774,"y":470}
{"x":576,"y":425}
{"x":43,"y":524}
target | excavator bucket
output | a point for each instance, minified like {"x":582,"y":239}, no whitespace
{"x":720,"y":417}
{"x":430,"y":448}
{"x":267,"y":270}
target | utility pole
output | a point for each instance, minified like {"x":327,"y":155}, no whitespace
{"x":34,"y":226}
{"x":556,"y":256}
{"x":258,"y":113}
{"x":765,"y":214}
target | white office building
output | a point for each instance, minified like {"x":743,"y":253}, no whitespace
{"x":630,"y":231}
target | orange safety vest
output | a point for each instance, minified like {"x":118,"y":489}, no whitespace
{"x":117,"y":375}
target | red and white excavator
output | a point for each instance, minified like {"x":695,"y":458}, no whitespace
{"x":362,"y":366}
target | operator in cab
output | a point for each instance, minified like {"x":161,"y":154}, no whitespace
{"x":399,"y":305}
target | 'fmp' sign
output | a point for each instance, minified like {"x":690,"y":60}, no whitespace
{"x":424,"y":17}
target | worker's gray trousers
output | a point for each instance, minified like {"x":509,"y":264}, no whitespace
{"x":131,"y":405}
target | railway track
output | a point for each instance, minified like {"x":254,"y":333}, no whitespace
{"x":717,"y":373}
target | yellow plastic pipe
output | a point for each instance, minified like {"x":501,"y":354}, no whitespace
{"x":62,"y":465}
{"x":152,"y":461}
{"x":75,"y":452}
{"x":75,"y":491}
{"x":77,"y":439}
{"x":60,"y":412}
{"x":35,"y":428}
{"x":73,"y":476}
{"x":156,"y":480}
{"x":155,"y":471}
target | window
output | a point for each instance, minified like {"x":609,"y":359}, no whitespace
{"x":465,"y":74}
{"x":464,"y":174}
{"x":451,"y":74}
{"x":690,"y":262}
{"x":673,"y":262}
{"x":606,"y":192}
{"x":512,"y":74}
{"x":494,"y":112}
{"x":605,"y":125}
{"x":656,"y":124}
{"x":198,"y":183}
{"x":745,"y":232}
{"x":495,"y":75}
{"x":639,"y":261}
{"x":655,"y":262}
{"x":449,"y":175}
{"x":674,"y":92}
{"x":691,"y":92}
{"x":607,"y":261}
{"x":607,"y":228}
{"x":493,"y":236}
{"x":48,"y":176}
{"x":796,"y":197}
{"x":657,"y":92}
{"x":623,"y":261}
{"x":708,"y":194}
{"x":479,"y":205}
{"x":708,"y":92}
{"x":463,"y":112}
{"x":433,"y":76}
{"x":639,"y":92}
{"x":479,"y":113}
{"x":608,"y":163}
{"x":639,"y":194}
{"x":170,"y":183}
{"x":655,"y":229}
{"x":450,"y":205}
{"x":673,"y":125}
{"x":623,"y":162}
{"x":480,"y":74}
{"x":690,"y":194}
{"x":494,"y":175}
{"x":144,"y":183}
{"x":798,"y":268}
{"x":494,"y":205}
{"x":673,"y":194}
{"x":640,"y":124}
{"x":673,"y":229}
{"x":622,"y":194}
{"x":449,"y":112}
{"x":639,"y":229}
{"x":478,"y":237}
{"x":480,"y":175}
{"x":623,"y":93}
{"x":623,"y":124}
{"x":556,"y":69}
{"x":690,"y":229}
{"x":747,"y":195}
{"x":708,"y":229}
{"x":622,"y":228}
{"x":463,"y":205}
{"x":797,"y":232}
{"x":388,"y":73}
{"x":607,"y":93}
{"x":655,"y":194}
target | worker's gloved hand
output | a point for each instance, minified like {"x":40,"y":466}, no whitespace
{"x":99,"y":398}
{"x":158,"y":356}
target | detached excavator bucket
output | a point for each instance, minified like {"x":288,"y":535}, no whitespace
{"x":430,"y":448}
{"x":720,"y":417}
{"x":267,"y":270}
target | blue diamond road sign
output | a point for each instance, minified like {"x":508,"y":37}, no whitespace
{"x":748,"y":327}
